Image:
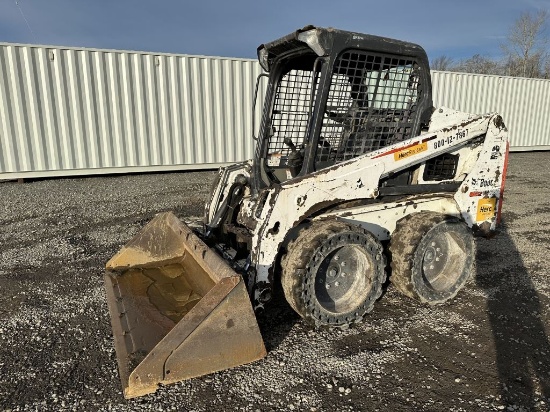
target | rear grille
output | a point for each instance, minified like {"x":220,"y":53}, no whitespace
{"x":442,"y":167}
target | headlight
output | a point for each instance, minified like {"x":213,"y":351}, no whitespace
{"x":263,"y":58}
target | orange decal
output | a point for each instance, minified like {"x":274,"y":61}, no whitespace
{"x":410,"y":151}
{"x":486,"y":208}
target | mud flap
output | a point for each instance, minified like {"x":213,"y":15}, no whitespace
{"x":177,"y":310}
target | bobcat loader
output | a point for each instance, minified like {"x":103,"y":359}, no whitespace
{"x":355,"y":175}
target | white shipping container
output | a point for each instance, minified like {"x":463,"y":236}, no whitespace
{"x":68,"y":111}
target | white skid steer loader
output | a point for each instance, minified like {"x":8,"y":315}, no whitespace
{"x":353,"y":169}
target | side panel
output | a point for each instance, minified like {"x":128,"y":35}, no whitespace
{"x":380,"y":219}
{"x":481,"y":193}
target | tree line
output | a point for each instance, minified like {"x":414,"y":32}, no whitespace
{"x":525,"y":52}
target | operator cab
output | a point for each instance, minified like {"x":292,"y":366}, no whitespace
{"x":333,"y":96}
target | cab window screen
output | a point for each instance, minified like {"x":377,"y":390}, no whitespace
{"x":372,"y":103}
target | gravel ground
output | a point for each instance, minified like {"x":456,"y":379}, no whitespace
{"x":488,"y":349}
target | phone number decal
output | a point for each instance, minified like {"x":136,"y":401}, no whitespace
{"x":459,"y":135}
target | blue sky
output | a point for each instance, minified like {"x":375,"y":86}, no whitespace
{"x":234,"y":28}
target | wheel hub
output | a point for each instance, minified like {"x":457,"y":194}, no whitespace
{"x":340,"y":275}
{"x":440,"y":263}
{"x":434,"y":259}
{"x":336,"y":278}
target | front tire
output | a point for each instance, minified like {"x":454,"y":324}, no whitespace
{"x":432,"y":256}
{"x":333,"y":273}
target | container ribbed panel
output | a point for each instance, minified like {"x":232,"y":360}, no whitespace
{"x":524,"y":104}
{"x":67,"y":111}
{"x":82,"y":111}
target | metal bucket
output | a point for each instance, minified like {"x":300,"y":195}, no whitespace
{"x":177,"y":309}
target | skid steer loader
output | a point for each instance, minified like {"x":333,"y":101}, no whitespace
{"x":353,"y":169}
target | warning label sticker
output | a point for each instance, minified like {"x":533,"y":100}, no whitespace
{"x":410,"y":151}
{"x":486,"y":208}
{"x":274,"y":159}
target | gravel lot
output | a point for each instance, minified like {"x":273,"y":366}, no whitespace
{"x":486,"y":350}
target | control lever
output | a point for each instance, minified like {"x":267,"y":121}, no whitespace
{"x":295,"y":159}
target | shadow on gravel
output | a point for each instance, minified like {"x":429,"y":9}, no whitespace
{"x":276,"y":321}
{"x":514,"y":311}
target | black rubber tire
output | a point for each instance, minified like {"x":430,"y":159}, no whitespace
{"x":314,"y":278}
{"x":432,"y":256}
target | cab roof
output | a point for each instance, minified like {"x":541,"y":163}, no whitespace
{"x":331,"y":41}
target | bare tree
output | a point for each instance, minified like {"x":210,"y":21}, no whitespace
{"x":526,"y":47}
{"x":443,"y":63}
{"x":479,"y":64}
{"x":546,"y":69}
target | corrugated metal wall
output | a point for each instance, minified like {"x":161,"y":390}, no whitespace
{"x":523,"y":103}
{"x":69,"y":111}
{"x":66,"y":111}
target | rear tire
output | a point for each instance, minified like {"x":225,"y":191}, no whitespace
{"x":333,"y":273}
{"x":432,"y":256}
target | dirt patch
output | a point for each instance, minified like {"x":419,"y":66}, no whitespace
{"x":487,"y":349}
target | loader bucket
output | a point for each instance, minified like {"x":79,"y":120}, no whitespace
{"x":177,"y":309}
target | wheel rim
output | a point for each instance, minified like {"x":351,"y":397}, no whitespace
{"x":443,"y":261}
{"x":343,"y":279}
